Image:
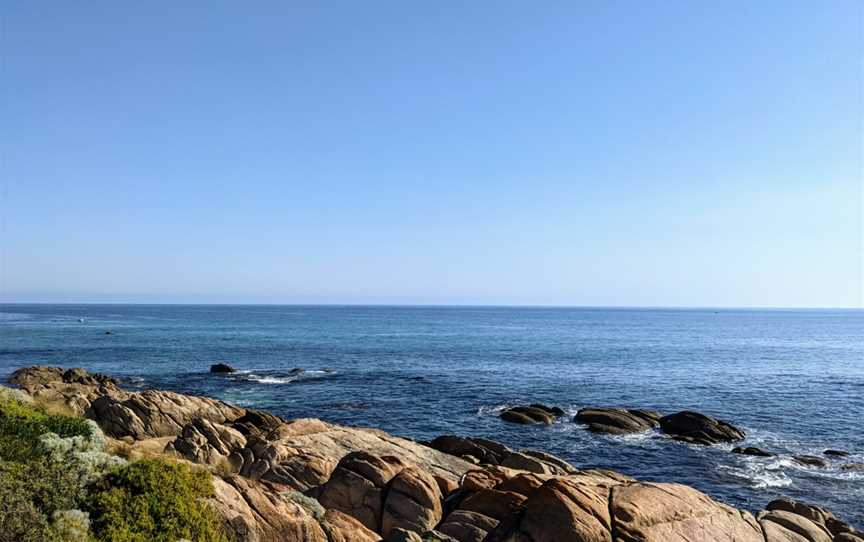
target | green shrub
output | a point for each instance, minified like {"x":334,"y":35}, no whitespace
{"x":30,"y":493}
{"x":22,"y":425}
{"x":71,"y":526}
{"x":153,"y":501}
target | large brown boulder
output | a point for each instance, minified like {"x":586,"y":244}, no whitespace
{"x":697,"y":428}
{"x":617,"y":421}
{"x":646,"y":512}
{"x":468,"y":526}
{"x":563,"y":510}
{"x":341,"y":527}
{"x":358,"y":487}
{"x":413,"y":502}
{"x":257,"y":512}
{"x":782,"y":526}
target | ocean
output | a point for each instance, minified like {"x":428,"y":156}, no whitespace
{"x":793,"y":379}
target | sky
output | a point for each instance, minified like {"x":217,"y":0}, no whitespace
{"x":597,"y":153}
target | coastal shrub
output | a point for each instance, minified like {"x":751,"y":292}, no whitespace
{"x":30,"y":493}
{"x":13,"y":394}
{"x":153,"y":501}
{"x":71,"y":526}
{"x":81,"y":455}
{"x":22,"y":425}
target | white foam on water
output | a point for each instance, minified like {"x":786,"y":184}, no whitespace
{"x":759,"y":473}
{"x":486,"y":410}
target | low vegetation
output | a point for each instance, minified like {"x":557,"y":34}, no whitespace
{"x":58,"y":483}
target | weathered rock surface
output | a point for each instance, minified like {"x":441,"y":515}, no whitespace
{"x":697,"y":428}
{"x":788,"y":520}
{"x":617,"y":421}
{"x":74,"y":387}
{"x":154,"y":413}
{"x":781,"y":526}
{"x":671,"y":513}
{"x":207,"y":442}
{"x":307,"y":480}
{"x":488,"y":452}
{"x":358,"y":487}
{"x":413,"y":502}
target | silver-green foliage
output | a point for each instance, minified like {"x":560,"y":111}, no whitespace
{"x":84,"y":454}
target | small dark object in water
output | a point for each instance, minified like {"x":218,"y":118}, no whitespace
{"x":222,"y":368}
{"x":853,"y":467}
{"x":297,"y":371}
{"x":836,"y":453}
{"x":109,"y":332}
{"x":752,"y":450}
{"x":809,"y":460}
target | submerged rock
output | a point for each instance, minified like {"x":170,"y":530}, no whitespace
{"x":835,"y":453}
{"x":697,"y":428}
{"x":809,"y":460}
{"x":222,"y":368}
{"x":617,"y":421}
{"x":752,"y":450}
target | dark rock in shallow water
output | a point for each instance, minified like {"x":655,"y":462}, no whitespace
{"x":222,"y":368}
{"x":555,"y":411}
{"x":809,"y":460}
{"x":835,"y":453}
{"x":617,"y":421}
{"x":296,"y":371}
{"x":697,"y":428}
{"x":529,"y":415}
{"x":752,"y":450}
{"x":852,"y":467}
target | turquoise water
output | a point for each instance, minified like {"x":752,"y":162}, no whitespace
{"x":793,"y":379}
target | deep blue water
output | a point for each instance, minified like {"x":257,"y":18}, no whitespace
{"x":793,"y":379}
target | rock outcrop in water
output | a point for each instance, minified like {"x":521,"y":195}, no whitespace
{"x":531,"y":414}
{"x":697,"y":428}
{"x":311,"y":481}
{"x":617,"y":421}
{"x":222,"y":368}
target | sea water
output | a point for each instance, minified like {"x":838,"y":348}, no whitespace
{"x":793,"y":379}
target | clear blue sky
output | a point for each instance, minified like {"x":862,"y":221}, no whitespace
{"x":570,"y":153}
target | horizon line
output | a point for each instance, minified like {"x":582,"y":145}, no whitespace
{"x":443,"y":305}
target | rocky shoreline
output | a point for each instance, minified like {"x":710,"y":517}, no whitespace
{"x":308,"y":480}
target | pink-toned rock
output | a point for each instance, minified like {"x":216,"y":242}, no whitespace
{"x":413,"y":502}
{"x":358,"y":487}
{"x":467,"y":526}
{"x":648,"y":512}
{"x":256,"y":512}
{"x":564,"y":511}
{"x":341,"y":527}
{"x":782,"y":526}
